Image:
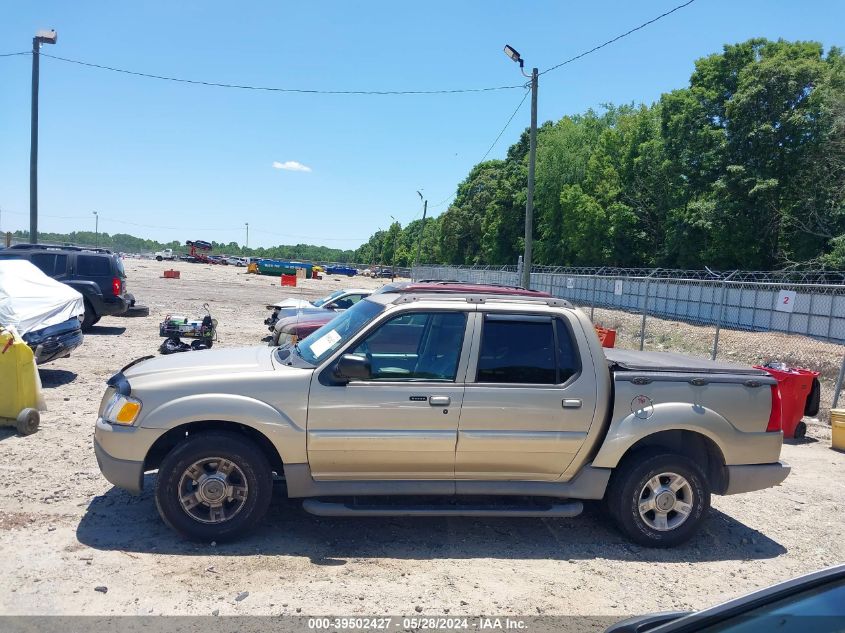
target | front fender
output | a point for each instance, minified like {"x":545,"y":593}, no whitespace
{"x":737,"y":447}
{"x":278,"y":427}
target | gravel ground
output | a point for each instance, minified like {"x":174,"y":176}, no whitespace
{"x":72,"y":544}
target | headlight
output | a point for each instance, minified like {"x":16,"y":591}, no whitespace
{"x":286,"y":338}
{"x":122,"y":410}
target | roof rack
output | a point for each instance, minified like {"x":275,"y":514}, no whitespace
{"x":481,"y":298}
{"x":92,"y":249}
{"x":470,"y":283}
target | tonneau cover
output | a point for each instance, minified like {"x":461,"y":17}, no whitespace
{"x":631,"y":360}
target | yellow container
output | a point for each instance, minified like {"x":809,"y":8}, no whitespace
{"x":837,"y":425}
{"x":19,"y":378}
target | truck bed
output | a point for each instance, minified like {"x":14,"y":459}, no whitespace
{"x":631,"y":360}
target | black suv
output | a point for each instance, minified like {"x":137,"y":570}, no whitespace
{"x":95,"y":273}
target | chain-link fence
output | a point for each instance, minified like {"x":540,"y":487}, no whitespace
{"x":797,"y":318}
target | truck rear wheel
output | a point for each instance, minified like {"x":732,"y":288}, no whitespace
{"x":213,"y":487}
{"x":658,"y":499}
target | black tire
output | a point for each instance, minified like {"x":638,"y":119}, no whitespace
{"x":90,"y":317}
{"x":800,"y":431}
{"x":229,"y":446}
{"x":27,"y":422}
{"x":628,"y":484}
{"x":158,"y":258}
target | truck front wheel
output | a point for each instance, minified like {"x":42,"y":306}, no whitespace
{"x":213,"y":487}
{"x":658,"y":499}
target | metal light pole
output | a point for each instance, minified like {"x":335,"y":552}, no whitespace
{"x":247,"y":233}
{"x":532,"y":160}
{"x":393,"y":266}
{"x":422,"y":229}
{"x":96,"y":228}
{"x":41,"y":37}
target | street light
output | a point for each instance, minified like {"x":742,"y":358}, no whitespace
{"x":532,"y":160}
{"x":422,"y":229}
{"x":393,"y":267}
{"x":96,"y":228}
{"x":41,"y":37}
{"x":247,"y":233}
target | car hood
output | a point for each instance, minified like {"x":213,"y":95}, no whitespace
{"x":230,"y":360}
{"x":291,"y":303}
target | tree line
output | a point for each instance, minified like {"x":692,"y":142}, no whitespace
{"x":124,"y":243}
{"x":744,"y":168}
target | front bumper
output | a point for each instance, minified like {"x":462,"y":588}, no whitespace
{"x":748,"y":477}
{"x":121,"y":451}
{"x":56,"y":346}
{"x":123,"y":473}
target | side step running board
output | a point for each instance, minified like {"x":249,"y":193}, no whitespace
{"x":336,"y":509}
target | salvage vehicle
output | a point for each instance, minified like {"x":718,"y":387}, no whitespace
{"x":349,"y":271}
{"x":442,"y":403}
{"x":96,"y":273}
{"x":167,"y":253}
{"x":45,"y":313}
{"x":337,"y":301}
{"x":290,"y":329}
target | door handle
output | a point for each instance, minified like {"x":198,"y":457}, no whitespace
{"x":439,"y":401}
{"x":571,"y":403}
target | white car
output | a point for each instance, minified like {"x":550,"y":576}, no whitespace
{"x":236,"y":261}
{"x":337,"y":301}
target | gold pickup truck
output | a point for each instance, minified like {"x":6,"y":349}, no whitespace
{"x":441,"y":403}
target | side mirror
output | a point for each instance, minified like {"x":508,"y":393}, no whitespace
{"x":351,"y":367}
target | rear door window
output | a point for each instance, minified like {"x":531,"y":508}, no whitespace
{"x":517,"y":349}
{"x":52,"y":264}
{"x":526,"y":349}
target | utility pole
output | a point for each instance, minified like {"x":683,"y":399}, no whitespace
{"x":393,"y":265}
{"x":532,"y":160}
{"x":422,"y":230}
{"x":96,"y":228}
{"x":247,"y":234}
{"x":41,"y":37}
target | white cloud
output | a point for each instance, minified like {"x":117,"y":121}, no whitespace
{"x":290,"y":165}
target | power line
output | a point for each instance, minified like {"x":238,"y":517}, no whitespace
{"x":618,"y":37}
{"x":356,"y":92}
{"x":216,"y":84}
{"x":492,"y":145}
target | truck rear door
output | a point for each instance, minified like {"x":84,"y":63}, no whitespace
{"x":527,"y":404}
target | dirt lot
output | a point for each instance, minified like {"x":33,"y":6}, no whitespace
{"x":64,"y":531}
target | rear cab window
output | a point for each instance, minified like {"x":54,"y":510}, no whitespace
{"x":526,"y":349}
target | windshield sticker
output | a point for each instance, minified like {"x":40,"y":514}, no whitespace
{"x":319,"y":347}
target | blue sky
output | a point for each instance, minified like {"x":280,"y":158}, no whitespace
{"x":153,"y":156}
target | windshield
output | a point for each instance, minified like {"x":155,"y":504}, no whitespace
{"x":324,"y":300}
{"x":338,"y":331}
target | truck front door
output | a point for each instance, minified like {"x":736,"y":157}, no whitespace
{"x":402,"y":421}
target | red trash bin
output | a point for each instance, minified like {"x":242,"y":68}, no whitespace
{"x":794,"y":387}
